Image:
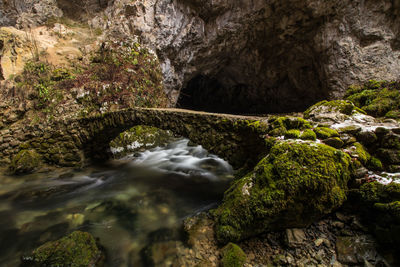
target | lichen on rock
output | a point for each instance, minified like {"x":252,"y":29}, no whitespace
{"x":291,"y":187}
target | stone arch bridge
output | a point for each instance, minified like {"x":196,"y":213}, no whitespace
{"x":238,"y":139}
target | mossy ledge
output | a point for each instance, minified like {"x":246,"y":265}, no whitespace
{"x":293,"y":186}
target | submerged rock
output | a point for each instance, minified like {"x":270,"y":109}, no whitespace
{"x":294,"y":185}
{"x":355,"y":250}
{"x":76,"y":249}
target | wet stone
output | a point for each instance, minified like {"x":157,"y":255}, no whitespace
{"x":295,"y":237}
{"x":355,"y":249}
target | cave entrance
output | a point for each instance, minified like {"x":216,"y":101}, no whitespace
{"x":204,"y":93}
{"x":222,"y":95}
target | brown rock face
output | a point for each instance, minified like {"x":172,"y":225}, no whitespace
{"x":262,"y":56}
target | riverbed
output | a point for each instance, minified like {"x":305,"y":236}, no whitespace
{"x":126,"y":204}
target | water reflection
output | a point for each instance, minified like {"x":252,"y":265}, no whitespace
{"x":126,"y":203}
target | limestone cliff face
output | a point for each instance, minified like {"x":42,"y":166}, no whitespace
{"x":275,"y":54}
{"x":257,"y":55}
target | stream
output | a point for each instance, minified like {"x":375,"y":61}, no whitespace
{"x":127,"y":204}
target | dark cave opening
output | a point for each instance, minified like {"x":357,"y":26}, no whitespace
{"x":204,"y":93}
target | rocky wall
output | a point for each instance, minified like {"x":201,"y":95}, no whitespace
{"x":266,"y":55}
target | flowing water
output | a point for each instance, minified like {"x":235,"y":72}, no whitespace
{"x":126,"y":203}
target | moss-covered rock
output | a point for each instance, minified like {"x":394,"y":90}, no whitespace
{"x":324,"y":106}
{"x":232,"y":256}
{"x":292,"y":134}
{"x":290,"y":123}
{"x":375,"y":164}
{"x":380,"y":208}
{"x":139,"y":138}
{"x":279,"y":126}
{"x":26,"y":161}
{"x":325,"y":132}
{"x":329,"y":112}
{"x":291,"y":187}
{"x":76,"y":249}
{"x":358,"y":151}
{"x":335,"y":142}
{"x":308,"y":135}
{"x":377,"y":98}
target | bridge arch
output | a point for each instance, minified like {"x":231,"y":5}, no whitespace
{"x":239,"y":140}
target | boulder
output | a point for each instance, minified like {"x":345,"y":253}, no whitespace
{"x":26,"y":161}
{"x":331,"y":112}
{"x":232,"y":256}
{"x":77,"y":249}
{"x":293,"y":186}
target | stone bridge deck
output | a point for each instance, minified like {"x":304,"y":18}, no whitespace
{"x":238,"y":139}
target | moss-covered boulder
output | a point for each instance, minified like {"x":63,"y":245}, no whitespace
{"x":139,"y":138}
{"x":232,"y":256}
{"x":26,"y":161}
{"x":325,"y":132}
{"x":335,"y":142}
{"x":76,"y":249}
{"x":308,"y":135}
{"x":279,"y":126}
{"x":292,"y":134}
{"x":329,"y":112}
{"x":294,"y":185}
{"x":377,"y":98}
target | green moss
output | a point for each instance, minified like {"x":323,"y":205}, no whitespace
{"x":291,"y":187}
{"x":77,"y":249}
{"x":393,"y":114}
{"x":280,"y":125}
{"x":380,"y":207}
{"x":375,"y":164}
{"x":377,"y":98}
{"x":392,"y":208}
{"x":280,"y":131}
{"x":335,"y":142}
{"x":26,"y":161}
{"x":376,"y":192}
{"x":325,"y":132}
{"x":292,"y":134}
{"x":308,"y":135}
{"x":290,"y":123}
{"x":362,"y":153}
{"x":258,"y":126}
{"x":232,"y":256}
